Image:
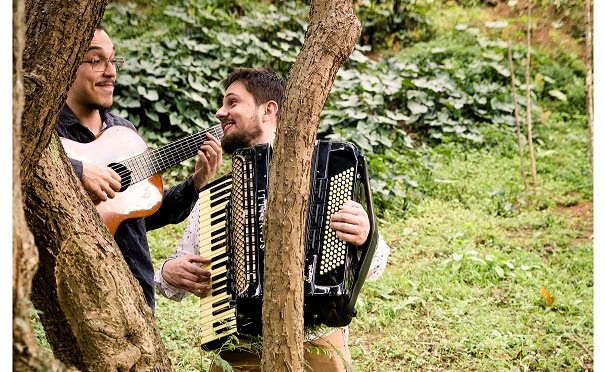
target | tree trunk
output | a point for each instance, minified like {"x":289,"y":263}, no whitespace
{"x":589,"y":81}
{"x":530,"y":141}
{"x":331,"y":36}
{"x":517,"y":118}
{"x":92,"y":308}
{"x":27,"y":354}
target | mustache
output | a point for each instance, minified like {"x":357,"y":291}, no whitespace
{"x":107,"y":81}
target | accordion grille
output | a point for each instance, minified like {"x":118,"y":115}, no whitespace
{"x":334,"y":250}
{"x":242,"y":229}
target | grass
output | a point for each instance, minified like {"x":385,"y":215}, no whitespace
{"x":462,"y":290}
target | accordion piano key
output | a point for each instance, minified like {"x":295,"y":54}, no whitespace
{"x":217,"y":315}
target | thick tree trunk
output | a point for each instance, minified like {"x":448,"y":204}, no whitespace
{"x":92,"y":308}
{"x":332,"y":33}
{"x":27,"y":354}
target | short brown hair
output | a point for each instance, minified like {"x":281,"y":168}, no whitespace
{"x":262,"y":82}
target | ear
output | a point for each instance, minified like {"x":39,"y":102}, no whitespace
{"x":271,"y":108}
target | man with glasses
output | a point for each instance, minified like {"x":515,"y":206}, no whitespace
{"x":84,"y":117}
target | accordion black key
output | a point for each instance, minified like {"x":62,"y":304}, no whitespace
{"x":334,"y":271}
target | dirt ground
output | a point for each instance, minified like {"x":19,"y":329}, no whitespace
{"x":552,"y":28}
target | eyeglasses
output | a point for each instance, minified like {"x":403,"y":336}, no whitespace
{"x":100,"y":64}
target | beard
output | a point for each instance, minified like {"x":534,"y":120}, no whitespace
{"x":239,"y":139}
{"x":234,"y":142}
{"x":101,"y":106}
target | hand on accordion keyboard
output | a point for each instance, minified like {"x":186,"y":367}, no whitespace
{"x":185,"y":272}
{"x":351,"y":223}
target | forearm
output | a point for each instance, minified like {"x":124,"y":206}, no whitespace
{"x":177,"y":204}
{"x":189,"y":243}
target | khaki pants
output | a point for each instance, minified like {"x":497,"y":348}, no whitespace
{"x":324,"y":354}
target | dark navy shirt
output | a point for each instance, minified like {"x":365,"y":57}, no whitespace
{"x":131,"y":235}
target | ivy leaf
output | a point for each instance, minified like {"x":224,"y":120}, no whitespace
{"x":193,"y":83}
{"x":417,"y":108}
{"x":396,"y":116}
{"x":152,"y":95}
{"x":558,"y":94}
{"x":160,"y":107}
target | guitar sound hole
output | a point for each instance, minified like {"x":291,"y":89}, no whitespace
{"x":124,"y":172}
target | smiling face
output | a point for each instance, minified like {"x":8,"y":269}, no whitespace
{"x":245,"y":123}
{"x":93,"y":90}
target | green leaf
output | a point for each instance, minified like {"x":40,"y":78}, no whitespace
{"x":558,"y":95}
{"x":456,"y":266}
{"x":160,"y":107}
{"x":151,"y":95}
{"x":417,"y":108}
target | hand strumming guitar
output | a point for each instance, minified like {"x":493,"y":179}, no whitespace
{"x":100,"y":182}
{"x":209,"y":159}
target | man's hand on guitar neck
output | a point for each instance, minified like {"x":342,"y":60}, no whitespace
{"x":100,"y":182}
{"x":209,"y":159}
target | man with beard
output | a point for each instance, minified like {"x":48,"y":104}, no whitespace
{"x":249,"y":117}
{"x":84,"y":118}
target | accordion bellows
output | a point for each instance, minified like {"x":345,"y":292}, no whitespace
{"x":231,"y":235}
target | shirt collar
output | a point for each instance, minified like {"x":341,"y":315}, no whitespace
{"x":68,"y":117}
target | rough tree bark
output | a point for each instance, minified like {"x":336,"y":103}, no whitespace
{"x":92,"y":308}
{"x":27,"y":354}
{"x":331,"y":36}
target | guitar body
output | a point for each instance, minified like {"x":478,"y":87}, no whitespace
{"x":114,"y":145}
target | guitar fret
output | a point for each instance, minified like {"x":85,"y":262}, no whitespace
{"x":146,"y":164}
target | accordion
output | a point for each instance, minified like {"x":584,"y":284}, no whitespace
{"x":231,"y":220}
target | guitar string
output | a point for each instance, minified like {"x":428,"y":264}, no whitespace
{"x":151,"y":161}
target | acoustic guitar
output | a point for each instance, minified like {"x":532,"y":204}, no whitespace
{"x":124,"y":151}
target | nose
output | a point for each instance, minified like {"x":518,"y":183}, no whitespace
{"x":110,"y":70}
{"x":221,"y":114}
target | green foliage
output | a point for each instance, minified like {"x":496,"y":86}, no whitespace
{"x":170,"y":85}
{"x":454,"y":88}
{"x":393,"y":24}
{"x":570,"y":12}
{"x":462,"y":288}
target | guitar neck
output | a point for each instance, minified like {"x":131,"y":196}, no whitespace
{"x":158,"y":160}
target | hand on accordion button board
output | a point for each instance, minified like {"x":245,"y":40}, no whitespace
{"x":351,"y":223}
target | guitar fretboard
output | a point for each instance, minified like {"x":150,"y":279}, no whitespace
{"x":147,"y":164}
